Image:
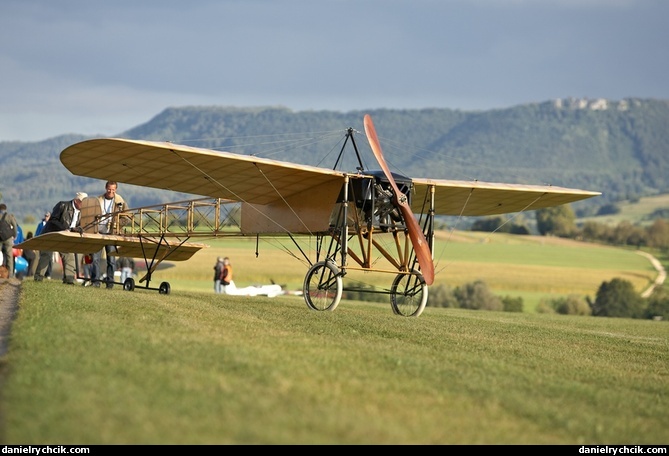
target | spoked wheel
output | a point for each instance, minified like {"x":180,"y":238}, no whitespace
{"x":323,"y":286}
{"x":164,"y":288}
{"x":408,"y":295}
{"x":129,"y":284}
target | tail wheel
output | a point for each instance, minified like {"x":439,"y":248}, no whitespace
{"x":408,"y":295}
{"x":164,"y":288}
{"x":129,"y":284}
{"x":323,"y":286}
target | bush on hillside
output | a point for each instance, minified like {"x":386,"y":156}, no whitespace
{"x":512,"y":304}
{"x":557,"y":221}
{"x":618,"y":298}
{"x":658,"y":305}
{"x":499,"y":225}
{"x":477,"y":296}
{"x":545,"y":307}
{"x":609,"y":209}
{"x":442,"y":296}
{"x":571,"y":305}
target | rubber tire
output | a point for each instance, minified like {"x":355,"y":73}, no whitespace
{"x":164,"y":288}
{"x":323,"y":286}
{"x":408,"y":294}
{"x":129,"y":284}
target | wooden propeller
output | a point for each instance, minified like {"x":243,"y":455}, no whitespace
{"x":418,"y":240}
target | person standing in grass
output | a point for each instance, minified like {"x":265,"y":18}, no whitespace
{"x":226,"y":275}
{"x":38,"y":231}
{"x":127,"y":266}
{"x":8,"y":233}
{"x":110,"y":202}
{"x":29,"y":256}
{"x":64,"y":217}
{"x":218,"y":270}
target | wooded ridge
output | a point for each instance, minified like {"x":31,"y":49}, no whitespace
{"x":620,"y":148}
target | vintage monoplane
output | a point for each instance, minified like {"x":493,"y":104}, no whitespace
{"x":353,"y":218}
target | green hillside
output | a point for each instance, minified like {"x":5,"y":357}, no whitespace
{"x":620,"y":148}
{"x":641,"y":211}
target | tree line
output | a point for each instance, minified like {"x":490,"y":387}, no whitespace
{"x":615,"y":298}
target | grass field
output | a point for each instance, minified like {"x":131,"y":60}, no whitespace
{"x":531,"y":267}
{"x":93,"y":366}
{"x":637,"y":212}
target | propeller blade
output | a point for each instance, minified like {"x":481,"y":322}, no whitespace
{"x":418,"y":240}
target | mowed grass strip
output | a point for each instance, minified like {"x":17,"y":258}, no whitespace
{"x":96,"y":366}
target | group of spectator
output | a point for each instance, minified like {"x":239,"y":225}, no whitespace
{"x":66,"y":216}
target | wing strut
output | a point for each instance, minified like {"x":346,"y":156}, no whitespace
{"x":152,"y":265}
{"x":418,"y":240}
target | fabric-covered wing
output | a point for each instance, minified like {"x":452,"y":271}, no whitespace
{"x":290,"y":191}
{"x":486,"y":198}
{"x":133,"y":247}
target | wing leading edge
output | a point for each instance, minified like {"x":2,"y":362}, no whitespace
{"x":486,"y":198}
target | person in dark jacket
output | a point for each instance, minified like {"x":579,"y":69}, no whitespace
{"x":64,"y":217}
{"x":29,"y":256}
{"x":8,"y":244}
{"x":218,"y":269}
{"x":127,"y":267}
{"x":38,"y":231}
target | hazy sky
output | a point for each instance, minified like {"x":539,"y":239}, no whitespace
{"x":102,"y":67}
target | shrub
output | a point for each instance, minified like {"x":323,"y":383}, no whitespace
{"x":477,"y":296}
{"x":658,"y":305}
{"x":545,"y":307}
{"x":609,"y":209}
{"x":442,"y":296}
{"x":512,"y":304}
{"x":571,"y":305}
{"x":618,"y":298}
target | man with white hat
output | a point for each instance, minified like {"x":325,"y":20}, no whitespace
{"x":64,"y":216}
